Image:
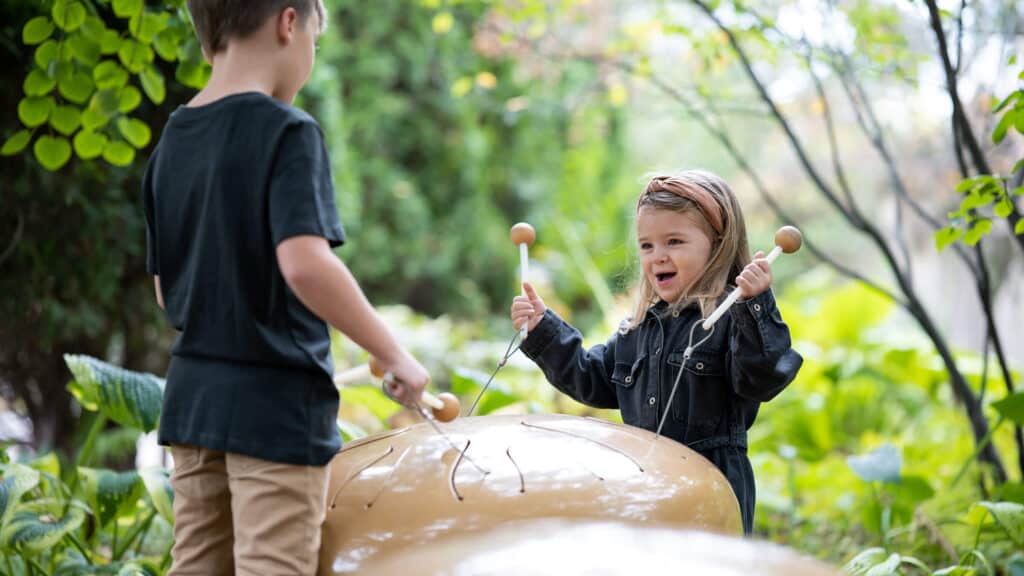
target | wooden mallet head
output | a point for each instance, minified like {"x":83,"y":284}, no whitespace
{"x":523,"y":233}
{"x":445,"y":406}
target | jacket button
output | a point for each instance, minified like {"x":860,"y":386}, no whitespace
{"x":757,"y":307}
{"x":700,"y":365}
{"x":651,"y":400}
{"x":629,"y":379}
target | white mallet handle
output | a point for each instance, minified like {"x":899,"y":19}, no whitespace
{"x":356,"y":375}
{"x":734,"y":295}
{"x":524,"y":274}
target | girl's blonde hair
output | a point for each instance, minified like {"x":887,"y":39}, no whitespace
{"x":688,"y":192}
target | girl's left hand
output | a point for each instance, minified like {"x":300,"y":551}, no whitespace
{"x":755,"y":278}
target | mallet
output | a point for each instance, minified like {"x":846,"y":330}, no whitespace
{"x":445,"y":406}
{"x":523,"y":235}
{"x":788,"y":239}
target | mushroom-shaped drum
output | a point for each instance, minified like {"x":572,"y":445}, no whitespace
{"x":410,"y":487}
{"x":580,"y":547}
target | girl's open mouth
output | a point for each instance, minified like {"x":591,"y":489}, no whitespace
{"x":665,"y":277}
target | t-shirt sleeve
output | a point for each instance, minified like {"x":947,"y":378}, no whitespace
{"x":148,"y":207}
{"x":301,"y":190}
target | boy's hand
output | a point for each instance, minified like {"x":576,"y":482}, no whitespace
{"x":410,"y":378}
{"x":755,"y":278}
{"x":527,"y":308}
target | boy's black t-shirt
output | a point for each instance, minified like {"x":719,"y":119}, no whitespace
{"x":251,"y":372}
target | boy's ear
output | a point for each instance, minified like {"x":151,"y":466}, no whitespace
{"x":287,"y":22}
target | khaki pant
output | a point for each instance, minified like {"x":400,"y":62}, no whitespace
{"x":235,"y":514}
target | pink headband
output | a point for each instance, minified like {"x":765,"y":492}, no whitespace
{"x":694,"y":192}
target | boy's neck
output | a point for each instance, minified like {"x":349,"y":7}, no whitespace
{"x":240,"y":68}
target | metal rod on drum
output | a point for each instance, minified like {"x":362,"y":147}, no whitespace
{"x":788,"y":239}
{"x":523,"y":235}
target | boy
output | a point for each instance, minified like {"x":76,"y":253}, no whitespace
{"x":240,"y":221}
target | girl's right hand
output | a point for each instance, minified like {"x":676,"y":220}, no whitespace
{"x":410,"y":378}
{"x":529,"y":308}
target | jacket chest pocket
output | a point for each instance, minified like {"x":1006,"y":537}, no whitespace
{"x":702,"y":400}
{"x":625,"y":376}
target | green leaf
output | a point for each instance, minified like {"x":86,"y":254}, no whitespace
{"x":89,"y":145}
{"x":1004,"y":207}
{"x":36,"y":30}
{"x":93,"y":29}
{"x":166,"y":45}
{"x":127,"y":8}
{"x":68,"y":14}
{"x":48,"y":465}
{"x":47,"y":52}
{"x":37,"y":83}
{"x":93,"y":118}
{"x":83,"y":49}
{"x":134,"y":131}
{"x":146,"y":25}
{"x":882,"y":464}
{"x":1010,"y":517}
{"x":866,"y":560}
{"x":52,"y":152}
{"x":129,"y":398}
{"x":130,"y":99}
{"x":106,"y":102}
{"x":35,"y":527}
{"x":34,"y":111}
{"x":890,"y":567}
{"x":109,"y":75}
{"x":118,"y":153}
{"x":77,"y":87}
{"x":16,"y":143}
{"x":965,"y":185}
{"x":1006,"y":101}
{"x":1018,"y":229}
{"x":158,"y":485}
{"x":15,"y":481}
{"x":1000,"y":130}
{"x":1012,"y":406}
{"x":979,"y":228}
{"x":65,"y":119}
{"x":976,"y":199}
{"x":134,"y":55}
{"x":111,"y":494}
{"x":153,"y":85}
{"x":1018,"y":166}
{"x":110,"y":43}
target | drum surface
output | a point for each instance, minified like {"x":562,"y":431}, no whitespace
{"x":410,"y":487}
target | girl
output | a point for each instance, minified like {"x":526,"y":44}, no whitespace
{"x":692,"y":243}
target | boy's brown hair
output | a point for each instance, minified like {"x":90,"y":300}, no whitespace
{"x":217,"y":21}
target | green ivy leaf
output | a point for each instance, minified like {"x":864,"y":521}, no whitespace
{"x":965,"y":185}
{"x":37,"y":83}
{"x":52,"y":152}
{"x":134,"y":55}
{"x":93,"y":29}
{"x":109,"y":75}
{"x":65,"y":119}
{"x":135,"y":131}
{"x":110,"y":43}
{"x":93,"y":118}
{"x":68,"y":14}
{"x":83,"y":49}
{"x":979,"y":229}
{"x":111,"y":494}
{"x":36,"y":30}
{"x":89,"y":145}
{"x":130,"y":99}
{"x":16,"y":143}
{"x":76,"y":87}
{"x":34,"y":111}
{"x":129,"y":398}
{"x":47,"y":52}
{"x":153,"y":85}
{"x":146,"y":25}
{"x":1004,"y":124}
{"x":1018,"y":229}
{"x":118,"y":153}
{"x":976,"y":199}
{"x":106,"y":102}
{"x":127,"y":8}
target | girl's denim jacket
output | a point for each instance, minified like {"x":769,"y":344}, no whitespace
{"x":747,"y":360}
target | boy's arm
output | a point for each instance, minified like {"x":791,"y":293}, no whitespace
{"x":324,"y":284}
{"x":159,"y":292}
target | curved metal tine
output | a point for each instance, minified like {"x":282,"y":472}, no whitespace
{"x":513,"y":345}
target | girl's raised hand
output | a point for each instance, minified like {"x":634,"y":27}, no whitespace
{"x":529,"y":308}
{"x":755,"y":278}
